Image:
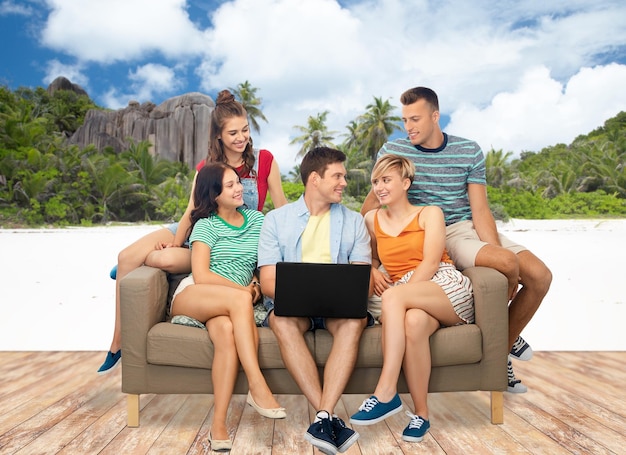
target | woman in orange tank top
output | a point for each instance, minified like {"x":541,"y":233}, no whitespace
{"x":420,"y":288}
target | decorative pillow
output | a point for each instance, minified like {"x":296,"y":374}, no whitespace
{"x":188,"y":321}
{"x":260,"y":312}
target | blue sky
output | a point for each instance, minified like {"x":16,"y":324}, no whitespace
{"x":512,"y":75}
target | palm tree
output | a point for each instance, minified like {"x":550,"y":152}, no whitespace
{"x":315,"y":134}
{"x":376,"y":125}
{"x":251,"y":102}
{"x":497,"y":167}
{"x":111,"y":182}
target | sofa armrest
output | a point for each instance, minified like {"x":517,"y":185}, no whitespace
{"x":492,"y":316}
{"x":143,"y":300}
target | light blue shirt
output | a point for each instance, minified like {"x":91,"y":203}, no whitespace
{"x":281,"y":235}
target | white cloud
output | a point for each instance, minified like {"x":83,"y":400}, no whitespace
{"x":106,"y":31}
{"x":9,"y":7}
{"x":311,"y":56}
{"x":541,"y":111}
{"x":74,"y":73}
{"x":308,"y":56}
{"x":146,"y":82}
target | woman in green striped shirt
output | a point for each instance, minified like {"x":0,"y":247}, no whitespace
{"x":222,"y":289}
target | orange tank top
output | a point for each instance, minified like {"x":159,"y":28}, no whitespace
{"x":402,"y":253}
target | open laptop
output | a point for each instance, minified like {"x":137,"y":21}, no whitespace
{"x":305,"y":289}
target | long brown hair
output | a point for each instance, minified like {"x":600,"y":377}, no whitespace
{"x":226,"y":107}
{"x":209,"y":185}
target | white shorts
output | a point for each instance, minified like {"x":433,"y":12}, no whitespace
{"x":457,"y":287}
{"x":187,"y":281}
{"x":463,"y":244}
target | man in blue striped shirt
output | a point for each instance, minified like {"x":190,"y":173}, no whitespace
{"x":450,"y":173}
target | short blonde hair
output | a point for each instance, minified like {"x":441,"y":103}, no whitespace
{"x":390,"y":161}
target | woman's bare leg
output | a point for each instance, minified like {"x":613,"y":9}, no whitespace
{"x":203,"y":302}
{"x":396,"y":302}
{"x":223,"y":372}
{"x":129,"y":259}
{"x":419,"y":326}
{"x":171,"y":260}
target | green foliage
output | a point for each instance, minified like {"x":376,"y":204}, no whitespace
{"x":293,"y":190}
{"x":586,"y":178}
{"x":44,"y":180}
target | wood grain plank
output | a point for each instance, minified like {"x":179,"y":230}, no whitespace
{"x":289,"y":432}
{"x":607,"y":417}
{"x":530,"y":438}
{"x":154,"y":418}
{"x":549,"y":368}
{"x":106,"y":428}
{"x":28,"y":382}
{"x":460,"y":426}
{"x":45,"y":404}
{"x":200,"y":444}
{"x":255,"y":432}
{"x":55,"y":403}
{"x":180,"y":433}
{"x":555,"y":428}
{"x":65,"y":425}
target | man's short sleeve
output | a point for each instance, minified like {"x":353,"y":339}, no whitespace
{"x":269,"y":247}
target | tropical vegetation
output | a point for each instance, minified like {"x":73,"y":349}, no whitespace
{"x":44,"y":180}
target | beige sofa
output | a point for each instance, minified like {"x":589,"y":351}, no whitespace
{"x":160,"y":357}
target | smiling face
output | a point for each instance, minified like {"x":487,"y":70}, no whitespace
{"x":235,"y":135}
{"x":389,"y":186}
{"x":421,"y":123}
{"x":232,"y":191}
{"x":331,"y":185}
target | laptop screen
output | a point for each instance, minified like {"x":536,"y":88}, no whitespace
{"x":305,"y":289}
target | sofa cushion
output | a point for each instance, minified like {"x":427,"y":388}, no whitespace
{"x":448,"y":346}
{"x":182,"y":346}
{"x":177,"y":345}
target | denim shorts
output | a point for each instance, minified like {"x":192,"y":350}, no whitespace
{"x":318,"y":323}
{"x":173,"y":228}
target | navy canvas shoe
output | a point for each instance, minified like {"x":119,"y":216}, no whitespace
{"x":344,"y":436}
{"x":515,"y":385}
{"x":320,"y":434}
{"x":521,"y":350}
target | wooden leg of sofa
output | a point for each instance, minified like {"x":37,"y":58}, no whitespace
{"x":132,"y":410}
{"x":497,"y":407}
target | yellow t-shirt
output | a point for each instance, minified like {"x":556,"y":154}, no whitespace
{"x":316,"y":239}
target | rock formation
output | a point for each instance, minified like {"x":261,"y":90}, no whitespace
{"x":62,"y":83}
{"x":177,"y":128}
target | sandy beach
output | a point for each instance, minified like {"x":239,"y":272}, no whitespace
{"x":57,"y":294}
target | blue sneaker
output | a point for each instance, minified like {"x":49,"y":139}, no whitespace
{"x":416,"y":429}
{"x":373,"y":411}
{"x":111,"y":361}
{"x":521,"y":350}
{"x":113,"y":272}
{"x":320,"y":434}
{"x":344,"y":436}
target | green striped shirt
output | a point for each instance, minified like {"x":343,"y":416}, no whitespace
{"x":442,"y":175}
{"x":233,"y":249}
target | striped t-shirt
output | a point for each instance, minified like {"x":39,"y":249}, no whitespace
{"x":442,"y":174}
{"x":233,"y":249}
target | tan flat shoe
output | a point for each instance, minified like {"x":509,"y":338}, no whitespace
{"x":220,"y":445}
{"x":275,"y":413}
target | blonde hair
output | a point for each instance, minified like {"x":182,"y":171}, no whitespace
{"x":390,"y":161}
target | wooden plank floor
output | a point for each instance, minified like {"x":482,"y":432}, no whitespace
{"x":53,"y":402}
